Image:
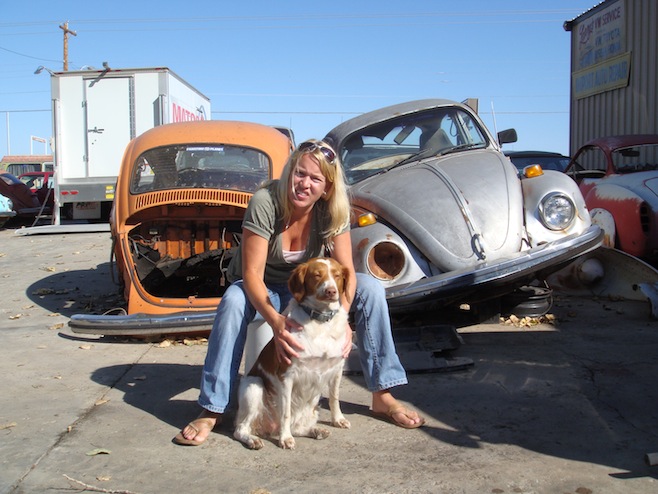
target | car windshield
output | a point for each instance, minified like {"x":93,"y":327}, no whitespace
{"x":200,"y":166}
{"x":407,"y":138}
{"x":636,"y":158}
{"x":32,"y":181}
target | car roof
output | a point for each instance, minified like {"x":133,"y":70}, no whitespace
{"x":35,"y":174}
{"x":229,"y":132}
{"x":530,"y":154}
{"x":13,"y":177}
{"x":346,"y":128}
{"x":610,"y":143}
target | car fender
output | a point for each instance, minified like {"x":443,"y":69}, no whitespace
{"x":606,"y":221}
{"x":624,"y":206}
{"x":366,"y":239}
{"x":535,"y":189}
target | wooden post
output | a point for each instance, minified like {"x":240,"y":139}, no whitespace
{"x":65,"y":27}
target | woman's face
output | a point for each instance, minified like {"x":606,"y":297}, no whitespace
{"x":308,"y":182}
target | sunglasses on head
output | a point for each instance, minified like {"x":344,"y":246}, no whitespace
{"x":309,"y":147}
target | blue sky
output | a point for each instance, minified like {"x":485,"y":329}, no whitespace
{"x":308,"y":67}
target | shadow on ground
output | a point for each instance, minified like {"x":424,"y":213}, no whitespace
{"x":578,"y":402}
{"x":89,"y":291}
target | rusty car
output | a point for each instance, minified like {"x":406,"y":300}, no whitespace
{"x":618,"y":177}
{"x":176,"y":219}
{"x":442,"y":218}
{"x":25,"y":203}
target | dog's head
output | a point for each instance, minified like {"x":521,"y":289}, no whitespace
{"x":324,"y":278}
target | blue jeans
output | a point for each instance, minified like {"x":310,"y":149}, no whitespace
{"x":379,"y":361}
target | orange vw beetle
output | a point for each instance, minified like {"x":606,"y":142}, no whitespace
{"x":180,"y":198}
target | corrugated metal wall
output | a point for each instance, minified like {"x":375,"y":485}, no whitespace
{"x":628,"y":110}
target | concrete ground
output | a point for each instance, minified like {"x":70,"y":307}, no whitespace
{"x":570,"y":407}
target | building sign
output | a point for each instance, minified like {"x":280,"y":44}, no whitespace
{"x":605,"y":76}
{"x":601,"y":61}
{"x":600,"y":36}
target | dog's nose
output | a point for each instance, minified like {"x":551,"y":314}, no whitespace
{"x":330,"y":292}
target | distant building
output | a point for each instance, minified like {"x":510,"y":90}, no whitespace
{"x":614,"y":73}
{"x":17,"y":164}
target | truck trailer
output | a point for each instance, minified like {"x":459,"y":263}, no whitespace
{"x":96,"y":113}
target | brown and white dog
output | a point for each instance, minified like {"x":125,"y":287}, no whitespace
{"x":275,"y":396}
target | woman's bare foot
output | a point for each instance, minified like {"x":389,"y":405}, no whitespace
{"x":385,"y":406}
{"x":197,"y":431}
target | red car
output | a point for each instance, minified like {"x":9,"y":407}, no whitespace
{"x":618,"y":177}
{"x":41,"y":183}
{"x":25,"y":202}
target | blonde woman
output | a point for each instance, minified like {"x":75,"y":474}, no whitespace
{"x":302,"y":215}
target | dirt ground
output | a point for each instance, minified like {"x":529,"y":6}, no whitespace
{"x":567,"y":407}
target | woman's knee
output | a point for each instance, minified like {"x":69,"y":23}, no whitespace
{"x":369,"y":286}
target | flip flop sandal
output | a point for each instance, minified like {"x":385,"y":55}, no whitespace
{"x":388,"y":417}
{"x":198,"y":425}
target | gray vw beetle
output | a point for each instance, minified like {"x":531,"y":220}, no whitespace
{"x":442,"y":217}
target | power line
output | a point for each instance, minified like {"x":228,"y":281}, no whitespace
{"x":28,"y":56}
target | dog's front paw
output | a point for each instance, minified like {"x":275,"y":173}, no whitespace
{"x":249,"y":440}
{"x":341,"y":423}
{"x":254,"y":443}
{"x":319,"y":433}
{"x":287,"y":442}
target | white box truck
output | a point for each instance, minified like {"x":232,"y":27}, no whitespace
{"x":95,"y":115}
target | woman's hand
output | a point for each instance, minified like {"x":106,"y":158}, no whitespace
{"x":285,"y":343}
{"x":347,"y":347}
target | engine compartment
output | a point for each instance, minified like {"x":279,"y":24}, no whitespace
{"x":183,"y":258}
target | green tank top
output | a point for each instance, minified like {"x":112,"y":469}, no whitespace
{"x":263,"y":217}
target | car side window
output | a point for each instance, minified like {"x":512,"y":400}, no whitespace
{"x":593,"y":159}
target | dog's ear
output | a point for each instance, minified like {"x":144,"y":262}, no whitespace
{"x":346,"y":278}
{"x":296,"y":282}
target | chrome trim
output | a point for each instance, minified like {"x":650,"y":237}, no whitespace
{"x":142,"y":324}
{"x":502,"y":272}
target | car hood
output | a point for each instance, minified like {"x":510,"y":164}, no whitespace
{"x":457,"y":209}
{"x":644,"y":184}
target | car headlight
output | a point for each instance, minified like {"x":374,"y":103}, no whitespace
{"x":557,"y":211}
{"x":386,"y":261}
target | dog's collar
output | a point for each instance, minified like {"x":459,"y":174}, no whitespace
{"x":322,"y":316}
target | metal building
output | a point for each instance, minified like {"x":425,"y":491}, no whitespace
{"x":614,"y":71}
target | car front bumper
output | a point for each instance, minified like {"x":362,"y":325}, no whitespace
{"x":507,"y":272}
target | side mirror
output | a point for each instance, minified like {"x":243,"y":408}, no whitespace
{"x":506,"y":136}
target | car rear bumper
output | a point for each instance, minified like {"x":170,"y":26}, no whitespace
{"x":142,"y":324}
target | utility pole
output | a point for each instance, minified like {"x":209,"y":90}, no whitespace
{"x":65,"y":27}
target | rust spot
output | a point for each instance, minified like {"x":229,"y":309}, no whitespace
{"x":361,"y":245}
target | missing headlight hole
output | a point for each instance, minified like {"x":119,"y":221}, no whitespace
{"x":386,"y":261}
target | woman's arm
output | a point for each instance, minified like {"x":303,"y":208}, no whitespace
{"x":254,"y":258}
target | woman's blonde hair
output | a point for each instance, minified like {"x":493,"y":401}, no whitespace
{"x":337,"y":203}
